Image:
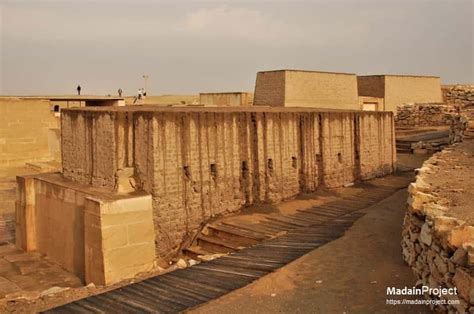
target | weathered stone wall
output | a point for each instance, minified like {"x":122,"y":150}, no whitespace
{"x":424,"y":114}
{"x":25,"y":125}
{"x":376,"y":141}
{"x":433,"y":115}
{"x":437,"y":244}
{"x":90,"y":148}
{"x":197,"y":163}
{"x":293,"y":88}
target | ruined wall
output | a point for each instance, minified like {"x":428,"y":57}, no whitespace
{"x":198,"y":163}
{"x":462,"y":95}
{"x":433,"y":115}
{"x":292,"y":88}
{"x":376,"y":154}
{"x":92,"y":147}
{"x":438,"y":232}
{"x":226,"y":99}
{"x":25,"y":125}
{"x":406,"y":89}
{"x":424,"y":114}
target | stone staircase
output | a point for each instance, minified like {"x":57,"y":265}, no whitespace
{"x":236,"y":232}
{"x":219,"y":238}
{"x":404,"y":147}
{"x":435,"y":140}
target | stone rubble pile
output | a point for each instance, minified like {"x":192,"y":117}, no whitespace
{"x":414,"y":115}
{"x":438,"y":248}
{"x":425,"y":114}
{"x":462,"y":95}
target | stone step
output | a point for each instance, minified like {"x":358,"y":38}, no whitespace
{"x":235,"y":234}
{"x":195,"y":251}
{"x":217,"y":245}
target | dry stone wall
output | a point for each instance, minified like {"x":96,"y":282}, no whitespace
{"x":462,"y":95}
{"x":433,"y":115}
{"x":198,"y":163}
{"x":436,"y":243}
{"x":425,"y":114}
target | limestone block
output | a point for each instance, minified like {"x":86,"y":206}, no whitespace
{"x":470,"y":256}
{"x":459,"y":257}
{"x":462,"y":235}
{"x":444,"y":224}
{"x":140,"y":232}
{"x":425,"y":234}
{"x":441,"y":265}
{"x":464,"y":281}
{"x":417,"y":199}
{"x":120,"y":244}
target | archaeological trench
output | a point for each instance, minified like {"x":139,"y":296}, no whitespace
{"x":145,"y":186}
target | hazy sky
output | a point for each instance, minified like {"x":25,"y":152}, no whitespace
{"x":48,"y":47}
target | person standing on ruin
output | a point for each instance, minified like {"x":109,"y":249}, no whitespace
{"x":120,"y":92}
{"x":79,"y":90}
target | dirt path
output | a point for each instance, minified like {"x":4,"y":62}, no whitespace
{"x":349,"y":275}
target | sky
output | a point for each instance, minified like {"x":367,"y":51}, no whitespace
{"x":187,"y":47}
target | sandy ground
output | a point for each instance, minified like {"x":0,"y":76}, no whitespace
{"x":348,"y":275}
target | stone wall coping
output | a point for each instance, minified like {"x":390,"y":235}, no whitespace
{"x":95,"y":193}
{"x":196,"y":109}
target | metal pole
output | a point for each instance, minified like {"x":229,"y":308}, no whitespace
{"x":145,"y":77}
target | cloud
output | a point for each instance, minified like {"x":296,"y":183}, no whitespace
{"x":232,"y":23}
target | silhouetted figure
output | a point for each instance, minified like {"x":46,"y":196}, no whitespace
{"x":79,"y":90}
{"x":120,"y":92}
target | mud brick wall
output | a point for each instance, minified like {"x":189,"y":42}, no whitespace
{"x":201,"y":162}
{"x":376,"y":141}
{"x":93,"y":147}
{"x":436,"y":245}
